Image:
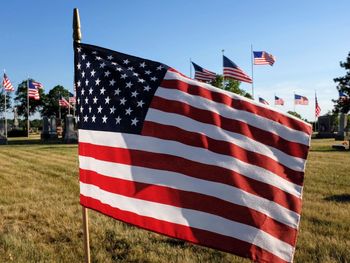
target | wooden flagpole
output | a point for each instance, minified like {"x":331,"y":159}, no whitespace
{"x":77,"y":38}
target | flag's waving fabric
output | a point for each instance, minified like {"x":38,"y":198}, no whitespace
{"x":203,"y":74}
{"x":6,"y":83}
{"x":231,"y":70}
{"x":185,"y":159}
{"x":263,"y":58}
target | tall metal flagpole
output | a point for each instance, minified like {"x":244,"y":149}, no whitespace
{"x":28,"y":107}
{"x":5,"y":110}
{"x":223,"y":75}
{"x":77,"y":38}
{"x":252,"y":60}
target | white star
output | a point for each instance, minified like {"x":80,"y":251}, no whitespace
{"x":110,"y":57}
{"x":79,"y":83}
{"x":134,"y":121}
{"x":117,"y":91}
{"x":135,"y":74}
{"x":83,"y":74}
{"x":88,"y":64}
{"x":102,"y":90}
{"x":114,"y":64}
{"x":128,"y":111}
{"x":107,"y":73}
{"x":82,"y":91}
{"x":147,"y":72}
{"x":126,"y":61}
{"x":119,"y":69}
{"x":79,"y":49}
{"x":90,"y":91}
{"x":112,"y":110}
{"x":134,"y":94}
{"x":95,"y":100}
{"x":117,"y":120}
{"x":128,"y":85}
{"x":97,"y":82}
{"x":122,"y":101}
{"x":78,"y":65}
{"x":131,"y":68}
{"x":93,"y":73}
{"x":140,"y":103}
{"x":81,"y":109}
{"x":123,"y":76}
{"x":90,"y":109}
{"x":153,"y":78}
{"x":146,"y":88}
{"x":160,"y":67}
{"x":99,"y":109}
{"x":86,"y":100}
{"x":83,"y":57}
{"x":86,"y":82}
{"x":107,"y":100}
{"x":78,"y":118}
{"x":93,"y":118}
{"x":94,"y":52}
{"x":141,"y":80}
{"x":143,"y":64}
{"x":102,"y":65}
{"x":98,"y":58}
{"x":86,"y":118}
{"x":112,"y":82}
{"x":104,"y":119}
{"x":78,"y":100}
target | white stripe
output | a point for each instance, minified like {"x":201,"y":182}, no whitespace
{"x":151,"y":144}
{"x":217,"y":133}
{"x":170,"y":75}
{"x":234,"y":114}
{"x":191,"y":218}
{"x":187,"y":183}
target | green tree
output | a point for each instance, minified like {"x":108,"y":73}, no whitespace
{"x":2,"y":100}
{"x":295,"y":114}
{"x":230,"y":85}
{"x":21,"y":100}
{"x":343,"y":85}
{"x":50,"y":105}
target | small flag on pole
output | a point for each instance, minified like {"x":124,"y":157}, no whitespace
{"x":185,"y":159}
{"x":6,"y":83}
{"x":317,"y":108}
{"x":202,"y":74}
{"x":63,"y":102}
{"x":263,"y":58}
{"x":72,"y":98}
{"x":231,"y":70}
{"x":33,"y":90}
{"x":300,"y":100}
{"x":261,"y":100}
{"x":279,"y":101}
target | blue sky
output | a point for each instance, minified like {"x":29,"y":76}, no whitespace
{"x":308,"y":39}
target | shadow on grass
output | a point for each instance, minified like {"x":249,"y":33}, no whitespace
{"x":342,"y":198}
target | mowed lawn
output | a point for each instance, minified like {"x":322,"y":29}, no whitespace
{"x":40,"y":215}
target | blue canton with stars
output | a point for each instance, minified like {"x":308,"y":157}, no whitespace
{"x":114,"y":90}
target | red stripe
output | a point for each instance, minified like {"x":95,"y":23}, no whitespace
{"x":197,"y":236}
{"x":236,"y":126}
{"x":220,"y":97}
{"x":222,"y":147}
{"x":191,"y":200}
{"x":180,"y":165}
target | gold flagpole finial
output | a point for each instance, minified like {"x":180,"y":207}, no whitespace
{"x":76,"y":25}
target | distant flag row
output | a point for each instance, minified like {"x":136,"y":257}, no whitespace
{"x":231,"y":70}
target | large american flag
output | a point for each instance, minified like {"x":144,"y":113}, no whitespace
{"x":203,"y":74}
{"x":6,"y":83}
{"x":185,"y":159}
{"x":263,"y":58}
{"x":301,"y":100}
{"x":231,"y":70}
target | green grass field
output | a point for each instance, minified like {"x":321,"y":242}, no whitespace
{"x":40,"y":215}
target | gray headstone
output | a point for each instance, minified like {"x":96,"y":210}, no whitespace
{"x":15,"y":118}
{"x":342,"y":126}
{"x":53,"y":128}
{"x":45,"y":134}
{"x":325,"y":127}
{"x":3,"y":139}
{"x":70,"y":134}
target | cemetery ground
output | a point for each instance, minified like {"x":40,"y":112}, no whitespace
{"x":40,"y":215}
